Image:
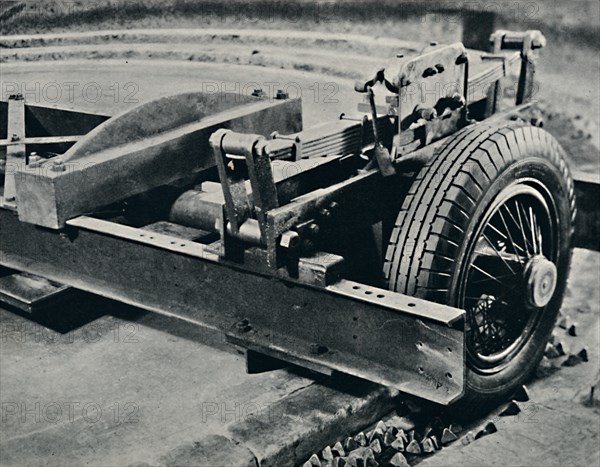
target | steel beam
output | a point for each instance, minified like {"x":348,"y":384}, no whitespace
{"x":43,"y":124}
{"x":42,"y":140}
{"x":393,"y":339}
{"x":31,"y":293}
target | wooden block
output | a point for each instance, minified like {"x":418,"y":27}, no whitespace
{"x":154,"y":144}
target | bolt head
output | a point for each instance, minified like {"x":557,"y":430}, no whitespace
{"x":313,"y":229}
{"x":58,"y":166}
{"x":537,"y":122}
{"x":317,"y":349}
{"x":325,"y":214}
{"x":34,"y":160}
{"x":290,"y":240}
{"x":243,"y":326}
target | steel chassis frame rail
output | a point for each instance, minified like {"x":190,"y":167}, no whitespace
{"x":340,"y":327}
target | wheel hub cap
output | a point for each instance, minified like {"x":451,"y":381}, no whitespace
{"x":540,"y":281}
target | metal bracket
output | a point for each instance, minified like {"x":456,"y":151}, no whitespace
{"x":526,"y":42}
{"x":443,"y":67}
{"x":15,"y":152}
{"x":31,"y":293}
{"x":247,"y":221}
{"x":237,"y":203}
{"x":295,"y":142}
{"x":382,"y":156}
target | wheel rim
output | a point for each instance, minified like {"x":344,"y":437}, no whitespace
{"x":509,"y":275}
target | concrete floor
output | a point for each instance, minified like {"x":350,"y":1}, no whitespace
{"x":116,"y":392}
{"x":138,"y":388}
{"x":123,"y":85}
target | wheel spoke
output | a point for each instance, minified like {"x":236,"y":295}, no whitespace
{"x":530,"y":227}
{"x":539,"y":234}
{"x":485,"y":323}
{"x":495,"y":229}
{"x":499,"y":297}
{"x":517,"y":225}
{"x":492,"y":334}
{"x":470,"y":297}
{"x":525,"y":241}
{"x":514,"y":245}
{"x":487,"y":330}
{"x":489,"y":275}
{"x":487,"y":279}
{"x":497,"y":252}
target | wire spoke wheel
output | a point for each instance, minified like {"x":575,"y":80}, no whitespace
{"x":510,"y":274}
{"x":486,"y":226}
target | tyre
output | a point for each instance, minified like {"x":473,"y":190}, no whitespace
{"x":486,"y":226}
